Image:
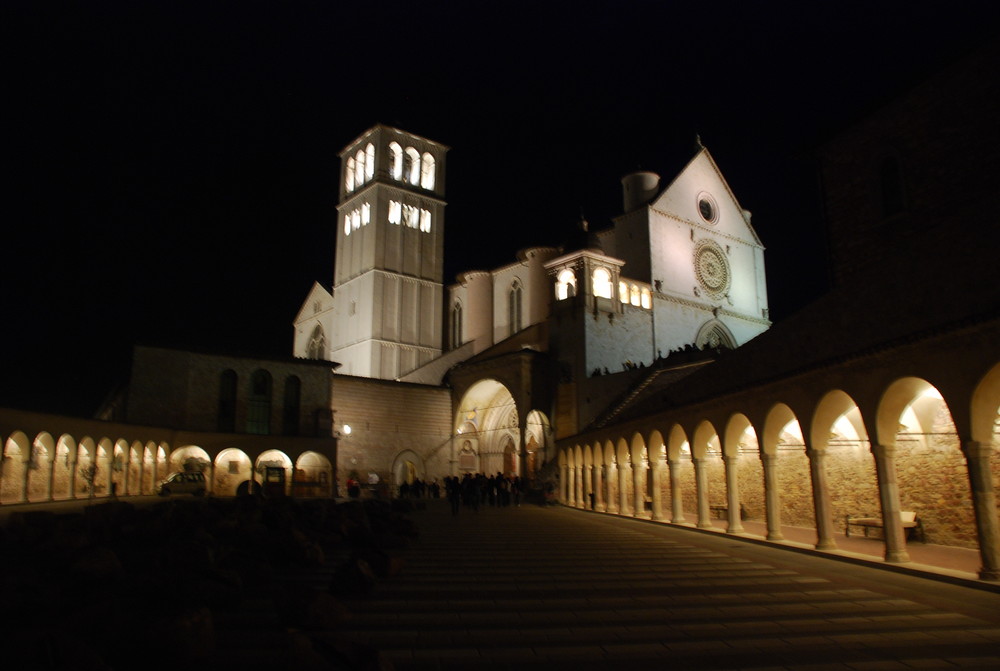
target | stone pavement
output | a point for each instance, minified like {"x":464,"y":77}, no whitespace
{"x":553,"y":588}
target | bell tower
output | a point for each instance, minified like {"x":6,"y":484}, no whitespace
{"x":388,"y":268}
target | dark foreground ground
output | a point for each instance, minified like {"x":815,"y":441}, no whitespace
{"x":252,"y":584}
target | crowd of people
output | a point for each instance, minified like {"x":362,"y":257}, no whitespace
{"x":472,"y":490}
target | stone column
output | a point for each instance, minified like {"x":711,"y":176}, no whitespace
{"x":588,"y":486}
{"x":656,"y":495}
{"x":564,"y":484}
{"x":772,"y":497}
{"x":984,"y":503}
{"x":701,"y":491}
{"x":622,"y":489}
{"x":888,"y":494}
{"x":735,"y":521}
{"x":639,"y":490}
{"x":52,"y":472}
{"x":25,"y":477}
{"x":676,"y":499}
{"x":578,"y":480}
{"x":72,"y":473}
{"x":600,"y":496}
{"x":612,"y":506}
{"x":821,"y":500}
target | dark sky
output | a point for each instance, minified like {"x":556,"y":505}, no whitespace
{"x":172,"y":171}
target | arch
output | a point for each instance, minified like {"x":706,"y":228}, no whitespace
{"x":62,"y":468}
{"x":189,"y":458}
{"x":407,"y":467}
{"x":456,"y":325}
{"x":678,"y":444}
{"x":646,"y":298}
{"x":565,"y":284}
{"x":349,"y":174}
{"x":713,"y":334}
{"x":274,"y":459}
{"x":601,"y":283}
{"x":411,"y":165}
{"x":486,"y":424}
{"x":985,"y":408}
{"x":232,"y":467}
{"x":369,"y":161}
{"x":359,"y":171}
{"x":39,"y":465}
{"x":915,"y":421}
{"x":427,"y":172}
{"x":396,"y":161}
{"x":314,"y":475}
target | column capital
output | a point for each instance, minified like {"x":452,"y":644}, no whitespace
{"x":733,"y":458}
{"x":883,"y":450}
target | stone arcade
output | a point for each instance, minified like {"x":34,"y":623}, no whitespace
{"x":634,"y":368}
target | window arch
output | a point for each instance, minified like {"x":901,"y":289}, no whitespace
{"x":565,"y":284}
{"x":634,"y":295}
{"x":602,"y":283}
{"x":317,"y":344}
{"x":259,"y":403}
{"x":349,"y":175}
{"x":646,"y":298}
{"x":359,"y":169}
{"x":623,"y":292}
{"x":227,"y":402}
{"x":292,"y":406}
{"x":456,"y":326}
{"x":369,"y":161}
{"x":514,"y":307}
{"x":395,"y":160}
{"x":411,"y":166}
{"x":427,"y":171}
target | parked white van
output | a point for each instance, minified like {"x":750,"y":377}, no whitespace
{"x":182,"y":483}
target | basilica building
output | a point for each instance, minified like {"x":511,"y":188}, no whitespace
{"x":634,"y":370}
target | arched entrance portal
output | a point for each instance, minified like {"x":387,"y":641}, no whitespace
{"x":487,"y":436}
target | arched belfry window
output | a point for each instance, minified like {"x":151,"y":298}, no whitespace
{"x":292,"y":406}
{"x":411,"y":166}
{"x":514,"y":307}
{"x":456,"y":326}
{"x":395,"y":161}
{"x":317,"y":344}
{"x":565,"y":284}
{"x":359,"y":168}
{"x":602,"y":283}
{"x":427,"y":172}
{"x":891,"y":182}
{"x":349,"y":175}
{"x":259,"y":403}
{"x":227,"y":402}
{"x":369,"y":161}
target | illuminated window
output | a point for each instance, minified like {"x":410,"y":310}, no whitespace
{"x":395,"y":212}
{"x":359,"y":169}
{"x":623,"y":292}
{"x":425,"y":221}
{"x":355,"y":219}
{"x":427,"y":172}
{"x":634,"y":295}
{"x":366,"y":214}
{"x":602,"y":283}
{"x":646,"y":298}
{"x":411,"y":166}
{"x":347,"y":223}
{"x":565,"y":284}
{"x":317,"y":344}
{"x":411,"y":216}
{"x":369,"y":161}
{"x":514,"y":307}
{"x":349,"y":175}
{"x":395,"y":161}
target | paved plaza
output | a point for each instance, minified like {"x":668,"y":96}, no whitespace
{"x":544,"y":588}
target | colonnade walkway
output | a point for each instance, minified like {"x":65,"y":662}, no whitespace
{"x":556,"y":588}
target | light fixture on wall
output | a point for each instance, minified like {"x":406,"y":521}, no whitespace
{"x":347,"y":429}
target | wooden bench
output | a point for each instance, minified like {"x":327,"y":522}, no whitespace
{"x":722,"y":511}
{"x":912,"y":525}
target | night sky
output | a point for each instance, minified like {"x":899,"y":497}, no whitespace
{"x":172,"y":170}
